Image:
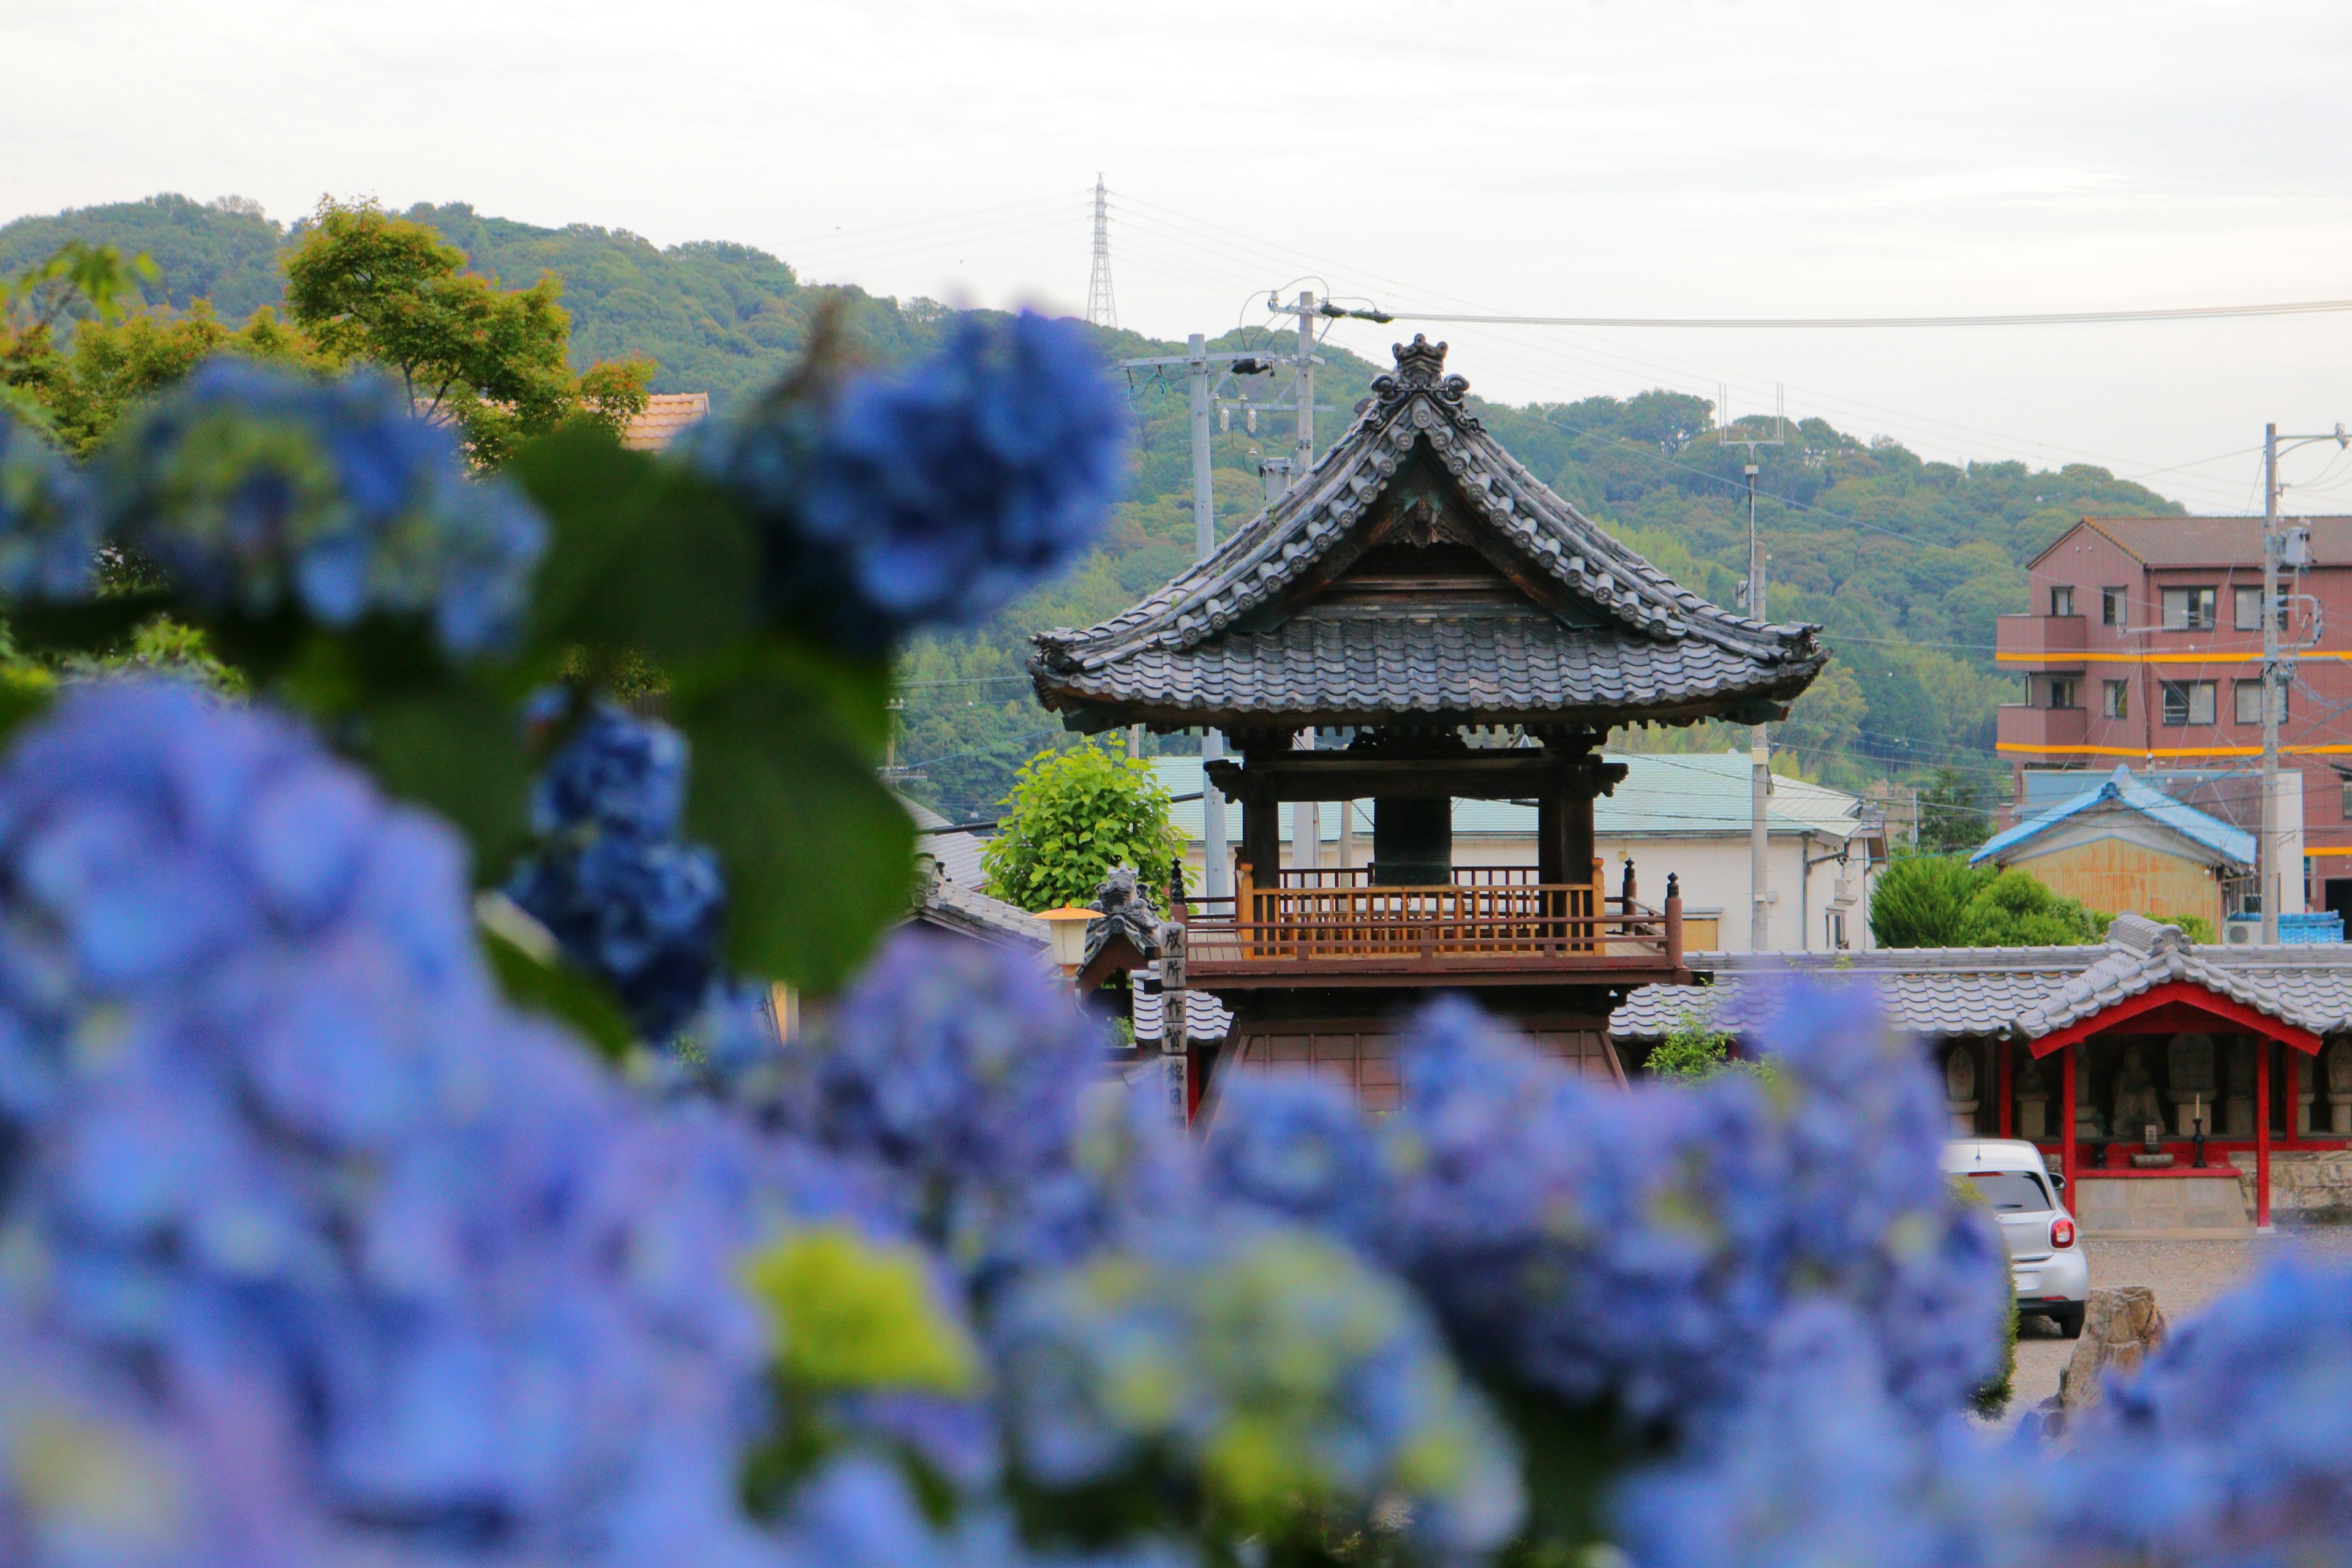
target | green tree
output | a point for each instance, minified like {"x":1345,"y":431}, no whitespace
{"x":1941,"y":900}
{"x":1953,"y":815}
{"x":1922,"y":900}
{"x":1071,"y":817}
{"x":371,"y":287}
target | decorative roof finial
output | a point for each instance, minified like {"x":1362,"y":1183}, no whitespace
{"x":1420,"y":367}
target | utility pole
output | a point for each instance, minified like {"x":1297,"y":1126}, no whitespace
{"x":2277,"y":670}
{"x":1760,"y":744}
{"x":1102,"y":310}
{"x":1307,"y":815}
{"x":1201,"y":370}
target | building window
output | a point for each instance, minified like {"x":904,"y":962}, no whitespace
{"x":1836,"y":929}
{"x":2247,"y":607}
{"x":2114,"y":699}
{"x":2248,"y":696}
{"x":2062,"y":691}
{"x":2187,"y":703}
{"x":2190,"y":609}
{"x":2346,"y":779}
{"x":2062,"y":601}
{"x":2115,"y":606}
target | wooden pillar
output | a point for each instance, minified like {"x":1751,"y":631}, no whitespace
{"x":2066,"y":1126}
{"x":2005,"y":1086}
{"x":1262,"y":840}
{"x":1553,"y":856}
{"x":1576,"y":832}
{"x":2262,"y":1132}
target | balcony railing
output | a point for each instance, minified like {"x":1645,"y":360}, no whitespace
{"x":2042,"y":730}
{"x":2041,"y":636}
{"x":1492,"y":922}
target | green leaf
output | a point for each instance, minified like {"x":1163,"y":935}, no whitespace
{"x":460,"y":751}
{"x":783,"y":786}
{"x":646,"y":556}
{"x":561,"y":992}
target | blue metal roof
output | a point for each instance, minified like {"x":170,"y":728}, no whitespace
{"x":2233,"y":844}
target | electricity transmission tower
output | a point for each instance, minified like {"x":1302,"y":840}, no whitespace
{"x":1102,"y":310}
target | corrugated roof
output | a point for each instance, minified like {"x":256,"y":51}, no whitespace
{"x":2123,"y":791}
{"x":2218,"y":541}
{"x":1664,"y":795}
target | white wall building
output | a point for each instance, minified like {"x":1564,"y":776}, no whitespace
{"x":1686,"y":814}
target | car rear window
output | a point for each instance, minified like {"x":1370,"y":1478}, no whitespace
{"x":2011,"y":1191}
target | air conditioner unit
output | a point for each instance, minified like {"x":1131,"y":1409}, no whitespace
{"x":2240,"y":933}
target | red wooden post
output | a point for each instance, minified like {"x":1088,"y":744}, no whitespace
{"x":2263,"y":1131}
{"x":2008,"y":1050}
{"x":2066,"y":1129}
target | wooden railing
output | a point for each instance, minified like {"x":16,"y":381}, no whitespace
{"x":1336,"y":917}
{"x":1361,"y":877}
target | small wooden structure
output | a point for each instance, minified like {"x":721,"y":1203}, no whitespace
{"x":2121,"y":844}
{"x":2081,"y":1048}
{"x":1460,"y":631}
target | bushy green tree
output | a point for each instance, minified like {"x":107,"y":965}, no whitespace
{"x":1953,"y":814}
{"x":1071,"y":817}
{"x":371,"y":287}
{"x":1691,"y":1051}
{"x":1941,"y":900}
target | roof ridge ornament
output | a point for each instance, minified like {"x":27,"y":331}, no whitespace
{"x":1420,"y":367}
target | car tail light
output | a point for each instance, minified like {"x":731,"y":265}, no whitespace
{"x":2061,"y":1232}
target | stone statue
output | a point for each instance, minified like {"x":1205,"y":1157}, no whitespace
{"x":2136,"y":1102}
{"x":2189,"y":1065}
{"x":2337,"y":1060}
{"x":2238,"y":1111}
{"x":1960,"y":1088}
{"x":2032,"y":1100}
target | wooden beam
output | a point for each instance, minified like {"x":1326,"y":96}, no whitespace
{"x":1343,"y":775}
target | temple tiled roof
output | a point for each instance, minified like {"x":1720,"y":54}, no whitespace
{"x":1244,"y":632}
{"x":2019,"y":993}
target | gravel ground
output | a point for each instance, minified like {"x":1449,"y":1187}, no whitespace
{"x":2185,"y":1274}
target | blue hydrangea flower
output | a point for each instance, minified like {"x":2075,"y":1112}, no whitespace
{"x":1820,"y":1466}
{"x":49,"y":529}
{"x":393,"y":1266}
{"x":258,"y":493}
{"x":2232,"y":1445}
{"x":959,"y":1066}
{"x":1296,"y":1145}
{"x":618,"y":772}
{"x":935,"y":495}
{"x":1537,"y":1205}
{"x":623,"y":899}
{"x":1272,"y":1368}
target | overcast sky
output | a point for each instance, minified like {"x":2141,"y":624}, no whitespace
{"x":1552,"y":157}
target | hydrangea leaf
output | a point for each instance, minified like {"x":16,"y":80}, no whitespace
{"x":553,"y":988}
{"x":460,"y":751}
{"x":816,"y":851}
{"x":646,"y":556}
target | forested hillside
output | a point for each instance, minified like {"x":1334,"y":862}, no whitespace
{"x":1906,"y":562}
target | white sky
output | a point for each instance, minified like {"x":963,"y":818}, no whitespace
{"x":1569,"y":157}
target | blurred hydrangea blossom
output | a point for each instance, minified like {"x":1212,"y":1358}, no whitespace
{"x":411,"y":1264}
{"x":935,"y":494}
{"x":48,"y":530}
{"x":623,"y":899}
{"x":958,"y":1066}
{"x":257,"y":491}
{"x":1271,"y":1362}
{"x":2231,"y":1445}
{"x":1296,"y":1145}
{"x":1536,"y":1206}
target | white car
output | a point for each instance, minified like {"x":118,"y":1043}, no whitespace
{"x":2045,"y":1245}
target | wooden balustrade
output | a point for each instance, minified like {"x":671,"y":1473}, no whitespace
{"x":1336,"y":917}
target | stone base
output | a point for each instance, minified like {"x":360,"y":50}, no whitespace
{"x":2152,"y":1161}
{"x":2307,"y":1185}
{"x":2032,"y":1121}
{"x":2339,"y":1116}
{"x":2204,"y":1203}
{"x":2237,"y":1117}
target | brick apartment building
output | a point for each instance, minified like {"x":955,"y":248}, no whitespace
{"x":2143,"y":644}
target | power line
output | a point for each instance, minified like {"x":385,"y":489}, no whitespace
{"x":1774,"y":324}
